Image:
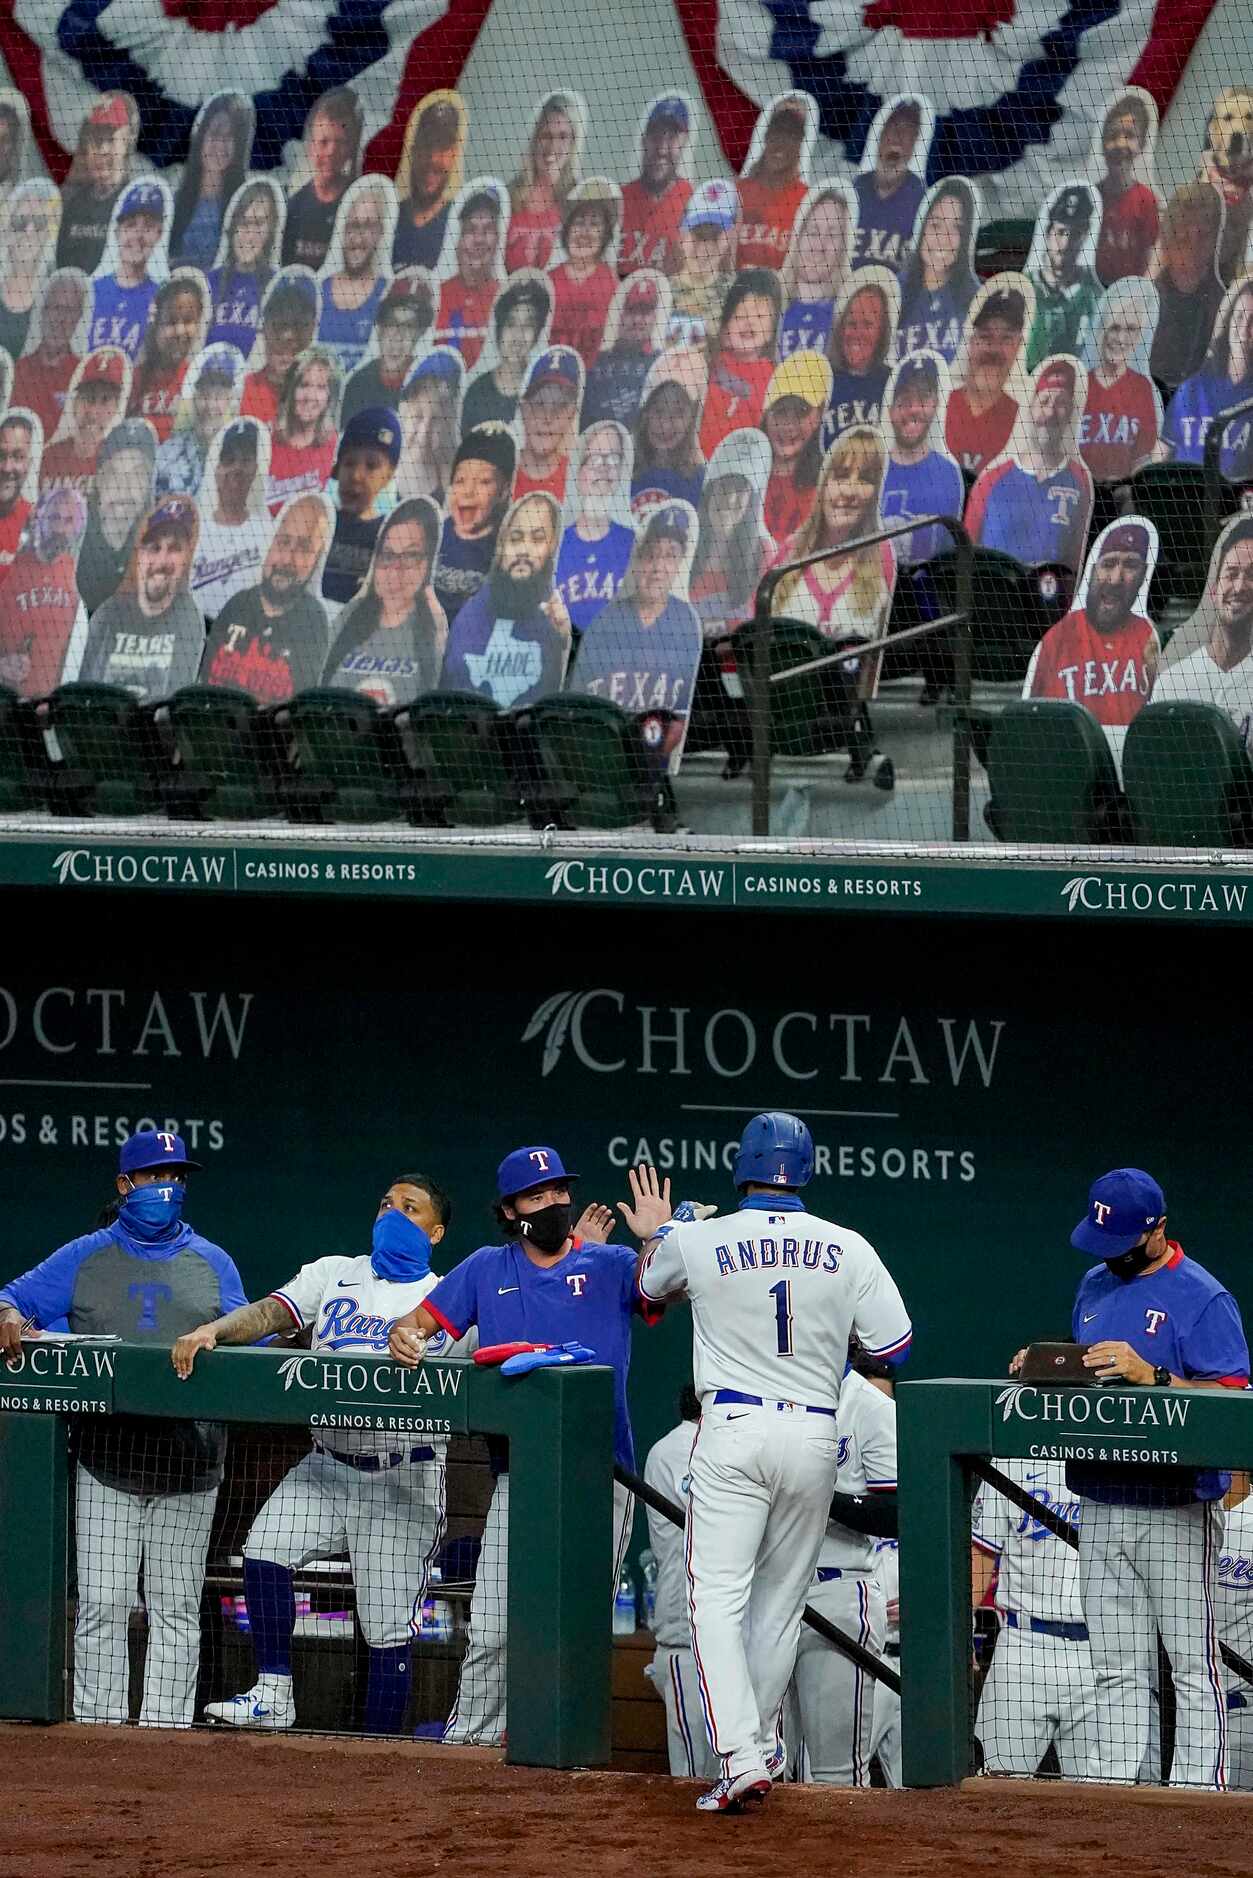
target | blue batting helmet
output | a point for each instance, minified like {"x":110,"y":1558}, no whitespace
{"x":776,"y":1150}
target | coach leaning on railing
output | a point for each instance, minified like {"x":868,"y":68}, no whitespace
{"x":145,"y":1490}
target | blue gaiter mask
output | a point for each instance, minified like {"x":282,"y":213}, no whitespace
{"x":402,"y":1250}
{"x":151,"y":1214}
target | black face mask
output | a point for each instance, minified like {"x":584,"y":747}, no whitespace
{"x":549,"y":1228}
{"x":1131,"y":1264}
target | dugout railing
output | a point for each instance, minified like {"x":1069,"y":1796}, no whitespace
{"x":948,"y":1431}
{"x":766,"y":683}
{"x":559,"y":1426}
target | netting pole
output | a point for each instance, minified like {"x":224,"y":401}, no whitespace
{"x":34,"y":1498}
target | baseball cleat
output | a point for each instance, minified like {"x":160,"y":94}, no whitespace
{"x":736,"y":1795}
{"x":269,"y":1705}
{"x":776,"y":1764}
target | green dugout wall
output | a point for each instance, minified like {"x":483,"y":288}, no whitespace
{"x":560,"y":1429}
{"x":942,"y":1424}
{"x":965,"y":1077}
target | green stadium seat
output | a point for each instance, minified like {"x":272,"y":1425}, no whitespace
{"x":1174,"y":497}
{"x":109,"y":757}
{"x":23,"y":762}
{"x":585,"y":764}
{"x":811,"y":715}
{"x":344,"y":759}
{"x":1052,"y":776}
{"x":225,"y":755}
{"x":1187,"y":777}
{"x":458,"y":747}
{"x":1008,"y":614}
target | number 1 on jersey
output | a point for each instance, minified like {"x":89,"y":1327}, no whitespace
{"x":782,"y":1295}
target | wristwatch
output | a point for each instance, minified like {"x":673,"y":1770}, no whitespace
{"x":1161,"y":1376}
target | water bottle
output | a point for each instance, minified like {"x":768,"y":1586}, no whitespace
{"x":624,"y":1606}
{"x":648,"y":1572}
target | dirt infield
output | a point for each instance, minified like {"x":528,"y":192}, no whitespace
{"x":138,"y":1805}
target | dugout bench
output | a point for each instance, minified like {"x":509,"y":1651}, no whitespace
{"x":559,"y":1424}
{"x":945,"y":1425}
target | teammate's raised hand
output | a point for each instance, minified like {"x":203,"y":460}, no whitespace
{"x":183,"y":1355}
{"x":649,"y":1206}
{"x":595,"y":1223}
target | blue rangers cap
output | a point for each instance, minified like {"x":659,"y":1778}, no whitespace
{"x":529,"y":1167}
{"x":1122,"y":1207}
{"x":153,"y":1147}
{"x":143,"y":199}
{"x":668,"y":523}
{"x":670,"y":110}
{"x":559,"y":365}
{"x":221,"y":362}
{"x":374,"y":428}
{"x":443,"y":362}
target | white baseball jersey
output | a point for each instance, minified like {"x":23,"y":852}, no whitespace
{"x":775,"y":1295}
{"x":666,"y":1469}
{"x":866,"y":1432}
{"x":353,"y":1311}
{"x":1234,"y":1601}
{"x":1039,"y":1573}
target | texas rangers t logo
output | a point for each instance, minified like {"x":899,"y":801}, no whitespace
{"x":576,"y":1282}
{"x":1151,"y":1320}
{"x":540,"y":1157}
{"x":1101,"y":1210}
{"x":167,"y":1142}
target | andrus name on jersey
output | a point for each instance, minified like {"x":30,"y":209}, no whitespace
{"x":1107,"y":427}
{"x":1103,"y":678}
{"x":641,"y":691}
{"x":753,"y":1255}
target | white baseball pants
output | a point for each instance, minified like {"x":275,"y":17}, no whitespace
{"x":117,"y":1534}
{"x":1039,"y":1690}
{"x":674,"y":1678}
{"x":1144,"y":1570}
{"x":887,"y":1729}
{"x":389,"y":1523}
{"x":478,"y":1715}
{"x":761,"y":1485}
{"x":835,"y":1697}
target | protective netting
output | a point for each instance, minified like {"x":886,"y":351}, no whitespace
{"x":268,"y":1579}
{"x":1113,"y":1639}
{"x":373,"y":455}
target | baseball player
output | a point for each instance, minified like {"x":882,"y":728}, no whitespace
{"x":673,"y":1668}
{"x":145,"y":1491}
{"x":835,"y":1696}
{"x":378,"y":1495}
{"x":552,"y":1281}
{"x":1150,"y":1537}
{"x":776,"y":1293}
{"x":1235,"y":1621}
{"x":1040,"y":1688}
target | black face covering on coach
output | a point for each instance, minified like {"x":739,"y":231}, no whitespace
{"x":549,"y":1228}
